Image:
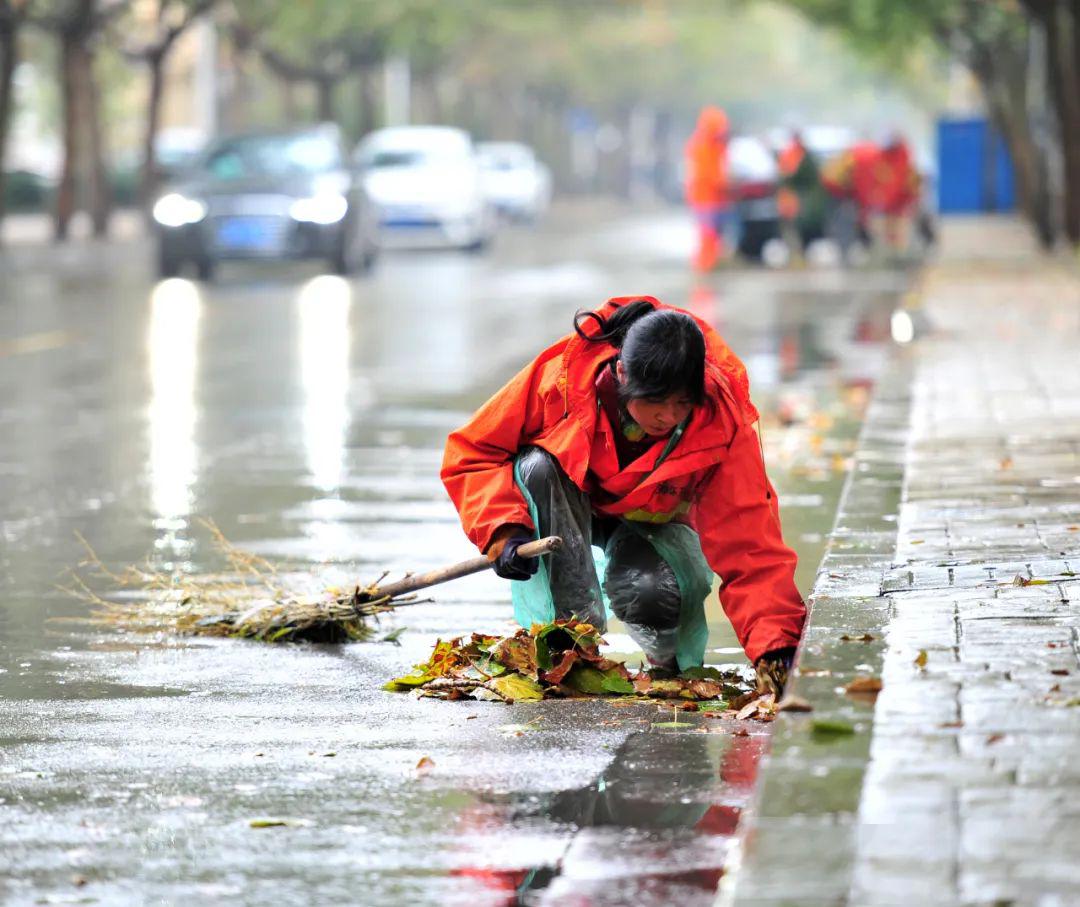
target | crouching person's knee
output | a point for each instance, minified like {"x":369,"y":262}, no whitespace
{"x":641,"y":586}
{"x":538,"y":469}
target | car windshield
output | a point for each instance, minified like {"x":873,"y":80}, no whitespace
{"x":283,"y":155}
{"x":413,"y":153}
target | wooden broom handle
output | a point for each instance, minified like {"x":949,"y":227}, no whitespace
{"x":465,"y":568}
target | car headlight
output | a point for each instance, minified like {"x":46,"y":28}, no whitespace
{"x":320,"y":209}
{"x":176,"y":210}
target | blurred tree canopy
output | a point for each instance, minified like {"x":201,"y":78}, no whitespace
{"x":627,"y":74}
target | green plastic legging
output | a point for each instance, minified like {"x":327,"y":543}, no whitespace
{"x":676,"y":543}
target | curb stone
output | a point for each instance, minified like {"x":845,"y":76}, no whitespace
{"x":809,"y":786}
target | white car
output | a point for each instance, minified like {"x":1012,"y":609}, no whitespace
{"x":425,"y":182}
{"x":514,"y":181}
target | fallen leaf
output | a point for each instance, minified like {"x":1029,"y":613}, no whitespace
{"x":829,"y":728}
{"x":746,"y":711}
{"x":1060,"y":672}
{"x":921,"y":659}
{"x":516,"y":688}
{"x":794,"y":704}
{"x":1006,"y":463}
{"x":706,"y":689}
{"x":863,"y":685}
{"x":278,"y":823}
{"x":558,"y":673}
{"x":951,"y":724}
{"x":994,"y":738}
{"x":471,"y":717}
{"x":763,"y":708}
{"x":1056,"y":688}
{"x":515,"y":730}
{"x":425,"y":764}
{"x":1072,"y":528}
{"x":916,"y":542}
{"x":328,"y":755}
{"x":740,"y":732}
{"x":866,"y":637}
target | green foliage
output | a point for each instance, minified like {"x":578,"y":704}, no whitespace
{"x":896,"y":31}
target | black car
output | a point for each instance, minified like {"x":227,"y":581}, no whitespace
{"x":283,"y":195}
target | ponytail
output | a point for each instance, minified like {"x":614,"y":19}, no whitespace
{"x":662,"y":351}
{"x":613,"y":328}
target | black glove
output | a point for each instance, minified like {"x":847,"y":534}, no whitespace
{"x":509,"y":565}
{"x":772,"y":671}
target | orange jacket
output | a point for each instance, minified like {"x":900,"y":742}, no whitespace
{"x":714,"y":480}
{"x":898,"y":181}
{"x":864,"y":174}
{"x":883,"y":179}
{"x":706,"y":161}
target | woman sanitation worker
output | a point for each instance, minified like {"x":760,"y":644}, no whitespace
{"x":633,"y":434}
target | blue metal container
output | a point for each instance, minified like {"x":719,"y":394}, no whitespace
{"x":975,"y":173}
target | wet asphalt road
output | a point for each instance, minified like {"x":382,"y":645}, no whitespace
{"x":305,"y":414}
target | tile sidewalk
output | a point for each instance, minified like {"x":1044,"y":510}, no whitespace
{"x":959,"y":536}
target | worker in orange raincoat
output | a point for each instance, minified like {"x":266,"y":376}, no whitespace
{"x":801,"y":199}
{"x":883,"y":183}
{"x":898,"y":187}
{"x":635,"y":434}
{"x":707,"y":188}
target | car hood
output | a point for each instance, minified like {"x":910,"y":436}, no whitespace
{"x":301,"y":186}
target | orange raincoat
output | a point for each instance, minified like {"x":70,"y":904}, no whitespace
{"x":706,"y":161}
{"x":714,"y":480}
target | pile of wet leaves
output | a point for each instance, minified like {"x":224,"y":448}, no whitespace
{"x":558,"y":660}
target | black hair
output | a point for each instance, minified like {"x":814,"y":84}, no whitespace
{"x":662,"y":351}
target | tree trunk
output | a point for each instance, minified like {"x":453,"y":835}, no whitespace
{"x":324,"y":88}
{"x":69,"y":99}
{"x":368,"y":104}
{"x":1060,"y":24}
{"x":9,"y":48}
{"x":1063,"y":59}
{"x":100,"y":200}
{"x":1002,"y":77}
{"x":1032,"y":177}
{"x":289,"y":105}
{"x":149,"y":182}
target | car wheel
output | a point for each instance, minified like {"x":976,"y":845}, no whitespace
{"x":205,"y":268}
